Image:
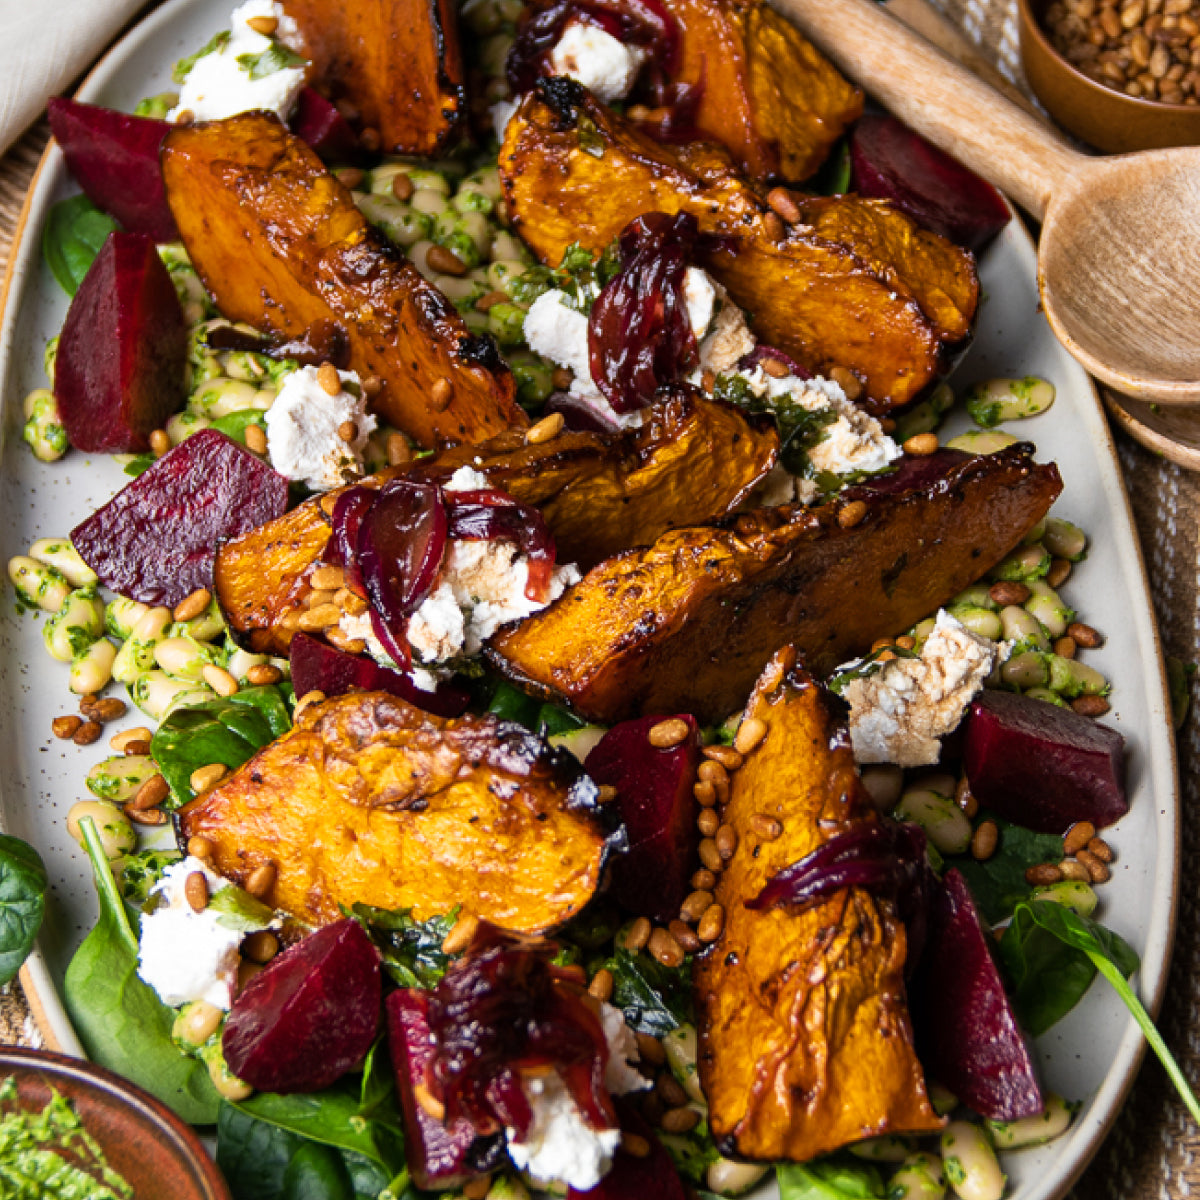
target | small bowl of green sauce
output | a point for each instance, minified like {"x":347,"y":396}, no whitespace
{"x":70,"y":1129}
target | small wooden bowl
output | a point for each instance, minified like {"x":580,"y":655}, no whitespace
{"x":156,"y":1153}
{"x":1100,"y":116}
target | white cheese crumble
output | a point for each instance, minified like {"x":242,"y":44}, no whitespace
{"x":727,"y":340}
{"x":898,"y":714}
{"x":700,"y":294}
{"x":501,"y":113}
{"x":598,"y":60}
{"x":302,"y":430}
{"x":186,"y":955}
{"x":620,"y":1077}
{"x":219,"y":86}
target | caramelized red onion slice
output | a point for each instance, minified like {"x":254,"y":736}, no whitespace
{"x":639,"y":334}
{"x":503,"y":1008}
{"x":348,"y":512}
{"x":490,"y":514}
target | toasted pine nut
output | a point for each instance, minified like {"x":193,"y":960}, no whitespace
{"x":309,"y":698}
{"x":606,"y":793}
{"x":327,"y":579}
{"x":906,"y":642}
{"x":710,"y":856}
{"x":727,"y":840}
{"x":160,"y":443}
{"x":964,"y":798}
{"x":402,"y":186}
{"x":750,"y":732}
{"x":637,"y":935}
{"x":185,"y":116}
{"x":708,"y":822}
{"x":192,"y":605}
{"x":669,"y":1089}
{"x":1077,"y":837}
{"x":219,"y":680}
{"x":546,"y":430}
{"x":151,"y":794}
{"x":144,"y":816}
{"x":601,"y":986}
{"x":984,"y":840}
{"x":773,"y":227}
{"x":491,"y":300}
{"x":429,"y":1103}
{"x":1084,"y":635}
{"x":195,"y":891}
{"x":108,"y":709}
{"x":477,"y":1189}
{"x":1101,"y":849}
{"x":444,"y":261}
{"x":703,"y":880}
{"x":329,"y":379}
{"x":1043,"y":874}
{"x":440,"y":394}
{"x":684,"y":935}
{"x":460,"y":935}
{"x":782,"y":202}
{"x":705,"y":793}
{"x":399,"y":451}
{"x":262,"y":879}
{"x":372,"y":385}
{"x":203,"y":778}
{"x":256,"y":439}
{"x":1060,"y":570}
{"x":694,"y":906}
{"x":712,"y":772}
{"x":711,"y":923}
{"x":853,"y":387}
{"x":87,"y":733}
{"x":851,"y":514}
{"x":1065,"y":647}
{"x":680,"y":1120}
{"x":774,"y":368}
{"x":263,"y":673}
{"x":650,"y":1050}
{"x":264,"y":25}
{"x":321,"y":617}
{"x":665,"y":948}
{"x":767,"y":828}
{"x":198,"y":846}
{"x":634,"y":1144}
{"x":921,"y":444}
{"x":1008,"y":591}
{"x":668,"y":733}
{"x":1095,"y":868}
{"x":65,"y":727}
{"x":1075,"y":870}
{"x":1090,"y":706}
{"x":260,"y":946}
{"x":347,"y":431}
{"x":727,"y":756}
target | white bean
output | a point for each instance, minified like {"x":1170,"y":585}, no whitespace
{"x":945,"y":824}
{"x":122,"y":616}
{"x":116,"y":833}
{"x":65,"y":559}
{"x":890,"y":1148}
{"x":921,"y":1177}
{"x":885,"y":783}
{"x":37,"y":583}
{"x":118,"y":778}
{"x":156,"y":693}
{"x":1050,"y":1123}
{"x":92,"y":670}
{"x":75,"y":626}
{"x":681,"y":1050}
{"x":970,"y":1162}
{"x":728,"y":1178}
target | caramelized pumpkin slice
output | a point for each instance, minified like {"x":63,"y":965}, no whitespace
{"x":371,"y":800}
{"x":767,"y":93}
{"x":855,"y":284}
{"x":805,"y":1043}
{"x":396,"y":61}
{"x":694,"y":459}
{"x":688,"y":624}
{"x":279,"y":244}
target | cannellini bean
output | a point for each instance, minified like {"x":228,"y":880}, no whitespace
{"x":1050,"y":1123}
{"x":92,"y":670}
{"x":982,"y":441}
{"x":196,"y":1023}
{"x":890,"y":1148}
{"x":37,"y":583}
{"x":1065,"y":540}
{"x":1074,"y":894}
{"x":118,"y":778}
{"x":73,"y":629}
{"x":65,"y":559}
{"x":728,"y":1178}
{"x":970,"y":1162}
{"x":116,"y":833}
{"x":182,"y":658}
{"x":122,"y":615}
{"x":945,"y":824}
{"x":1047,"y":605}
{"x":921,"y":1177}
{"x":998,"y":400}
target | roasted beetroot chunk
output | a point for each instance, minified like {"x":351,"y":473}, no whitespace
{"x":319,"y":123}
{"x":123,"y":350}
{"x":310,"y":1015}
{"x":1042,"y":766}
{"x":651,"y":1178}
{"x":891,"y":162}
{"x":156,"y":539}
{"x":967,"y":1032}
{"x":440,"y":1155}
{"x":658,"y":806}
{"x":317,"y":666}
{"x":114,"y":158}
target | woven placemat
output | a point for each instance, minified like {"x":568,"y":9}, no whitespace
{"x":1151,"y":1151}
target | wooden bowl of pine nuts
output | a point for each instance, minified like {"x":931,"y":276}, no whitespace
{"x":1121,"y":75}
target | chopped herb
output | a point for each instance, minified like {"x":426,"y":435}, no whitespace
{"x":655,"y":999}
{"x":138,"y":463}
{"x":183,"y":68}
{"x":581,"y":275}
{"x":276,"y":57}
{"x":411,"y":949}
{"x":590,"y":141}
{"x":864,"y":668}
{"x":800,"y":428}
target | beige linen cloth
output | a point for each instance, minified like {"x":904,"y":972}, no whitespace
{"x":1151,"y":1152}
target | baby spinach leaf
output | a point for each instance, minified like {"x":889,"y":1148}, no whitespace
{"x":239,"y":911}
{"x":998,"y":884}
{"x":226,"y":731}
{"x":1113,"y":958}
{"x":411,"y":949}
{"x":75,"y":231}
{"x":234,"y":424}
{"x":316,"y":1173}
{"x":837,"y":1177}
{"x":253,"y":1155}
{"x":655,"y":999}
{"x":22,"y":902}
{"x":120,"y":1020}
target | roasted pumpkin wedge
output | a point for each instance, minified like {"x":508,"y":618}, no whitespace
{"x":279,"y":244}
{"x":396,"y":61}
{"x":854,"y":284}
{"x":694,"y":458}
{"x":766,"y":93}
{"x":688,"y":624}
{"x":805,"y":1043}
{"x":371,"y":800}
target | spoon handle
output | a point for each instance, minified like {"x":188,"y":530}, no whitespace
{"x":939,"y":99}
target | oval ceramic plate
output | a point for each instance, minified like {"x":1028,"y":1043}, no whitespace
{"x":142,"y":1140}
{"x":1091,"y":1056}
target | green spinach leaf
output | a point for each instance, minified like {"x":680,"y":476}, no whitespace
{"x":75,"y":231}
{"x":998,"y":885}
{"x":1115,"y":960}
{"x":22,"y":902}
{"x":226,"y":731}
{"x":120,"y":1020}
{"x":837,"y":1177}
{"x":411,"y":949}
{"x":655,"y":999}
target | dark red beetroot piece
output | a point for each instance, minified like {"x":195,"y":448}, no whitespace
{"x":318,"y":666}
{"x":156,"y":539}
{"x":891,"y":162}
{"x":1042,"y":766}
{"x":123,"y":350}
{"x":310,"y":1015}
{"x":439,"y":1155}
{"x":651,"y":1178}
{"x":967,"y":1033}
{"x":114,"y":158}
{"x":319,"y":123}
{"x":656,"y":802}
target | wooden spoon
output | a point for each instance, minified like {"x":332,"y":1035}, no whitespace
{"x":1119,"y":257}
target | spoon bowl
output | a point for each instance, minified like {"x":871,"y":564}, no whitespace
{"x":1119,"y":254}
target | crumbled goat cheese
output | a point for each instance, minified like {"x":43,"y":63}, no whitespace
{"x":728,"y":339}
{"x":358,"y":628}
{"x":186,"y":955}
{"x":620,"y":1077}
{"x":559,"y":332}
{"x":302,"y":430}
{"x":700,"y":295}
{"x":897,"y":714}
{"x":466,"y":479}
{"x":780,"y":486}
{"x":501,"y":113}
{"x":219,"y":86}
{"x":598,"y":60}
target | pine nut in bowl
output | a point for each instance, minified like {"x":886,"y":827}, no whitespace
{"x":1120,"y":76}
